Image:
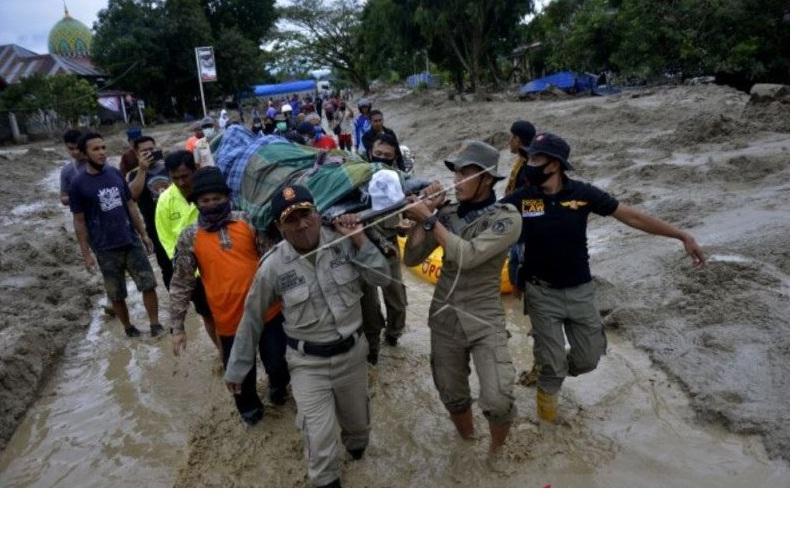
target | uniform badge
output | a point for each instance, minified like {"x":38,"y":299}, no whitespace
{"x":532,"y":208}
{"x":502,"y":226}
{"x":288,"y":194}
{"x":574,"y":204}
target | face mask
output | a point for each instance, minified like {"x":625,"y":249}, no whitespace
{"x":280,"y":126}
{"x":536,"y":175}
{"x":387,"y":162}
{"x":208,"y":132}
{"x":213,"y":218}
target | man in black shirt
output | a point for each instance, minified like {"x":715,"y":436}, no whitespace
{"x":558,"y":284}
{"x":376,"y":129}
{"x":146,"y":182}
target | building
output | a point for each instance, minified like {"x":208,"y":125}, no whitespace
{"x":69,"y":43}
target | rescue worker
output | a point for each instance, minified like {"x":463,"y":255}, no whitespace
{"x":225,"y":248}
{"x":466,"y":315}
{"x":559,"y":292}
{"x":315,"y":273}
{"x":385,"y":150}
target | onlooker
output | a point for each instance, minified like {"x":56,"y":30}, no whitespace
{"x":362,"y":123}
{"x":522,"y":133}
{"x":146,"y":184}
{"x":377,"y":128}
{"x":204,"y":128}
{"x":225,"y":248}
{"x":72,"y":169}
{"x":343,"y":126}
{"x":105,"y":215}
{"x":130,"y":158}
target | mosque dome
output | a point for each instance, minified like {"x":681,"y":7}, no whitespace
{"x":69,"y":37}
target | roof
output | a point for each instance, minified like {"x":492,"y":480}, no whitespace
{"x":17,"y":63}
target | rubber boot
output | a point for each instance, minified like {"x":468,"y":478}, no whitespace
{"x":546,"y":406}
{"x":499,"y":433}
{"x":463,"y":423}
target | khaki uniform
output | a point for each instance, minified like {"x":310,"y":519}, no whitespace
{"x":394,"y":296}
{"x":321,"y":304}
{"x":466,"y":315}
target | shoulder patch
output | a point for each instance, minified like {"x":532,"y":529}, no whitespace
{"x":502,"y":226}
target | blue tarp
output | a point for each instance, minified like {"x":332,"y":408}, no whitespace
{"x":567,"y":81}
{"x":297,"y":86}
{"x":415,"y":80}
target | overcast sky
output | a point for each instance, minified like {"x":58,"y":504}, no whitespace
{"x":27,"y":22}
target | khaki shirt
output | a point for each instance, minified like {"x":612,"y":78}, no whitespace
{"x":479,"y":243}
{"x":321,"y":295}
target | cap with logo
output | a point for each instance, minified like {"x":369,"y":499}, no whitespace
{"x":552,"y":145}
{"x":289,"y":199}
{"x":206,"y":180}
{"x":475,"y":153}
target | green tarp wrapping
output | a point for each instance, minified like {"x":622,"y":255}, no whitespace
{"x":330,"y":176}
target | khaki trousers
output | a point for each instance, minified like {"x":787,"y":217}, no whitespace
{"x":330,"y":390}
{"x":554,"y":312}
{"x":450,"y":355}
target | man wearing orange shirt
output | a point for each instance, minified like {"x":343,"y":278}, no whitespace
{"x":225,"y":248}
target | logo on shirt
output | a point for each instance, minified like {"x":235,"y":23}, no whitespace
{"x":574,"y":204}
{"x":532,"y":208}
{"x":109,"y":198}
{"x":288,"y":194}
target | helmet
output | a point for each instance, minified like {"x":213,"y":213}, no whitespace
{"x":286,"y":108}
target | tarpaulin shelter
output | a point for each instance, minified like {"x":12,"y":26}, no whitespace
{"x":297,"y":86}
{"x":567,"y":81}
{"x":426,"y":78}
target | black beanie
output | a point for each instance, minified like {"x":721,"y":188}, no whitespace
{"x":208,"y":179}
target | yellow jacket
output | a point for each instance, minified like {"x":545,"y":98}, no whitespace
{"x":173,"y":214}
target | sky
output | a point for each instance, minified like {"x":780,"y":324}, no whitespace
{"x":27,"y":22}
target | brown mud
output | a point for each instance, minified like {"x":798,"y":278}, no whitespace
{"x":693,"y":392}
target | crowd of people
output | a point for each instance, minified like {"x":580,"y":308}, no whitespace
{"x":305,"y":296}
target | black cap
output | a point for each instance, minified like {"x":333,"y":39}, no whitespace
{"x":552,"y":145}
{"x":290,"y":198}
{"x":208,"y":179}
{"x":524,"y":130}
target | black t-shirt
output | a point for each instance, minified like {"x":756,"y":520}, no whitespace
{"x":554,"y":230}
{"x":369,"y":139}
{"x":147,"y":200}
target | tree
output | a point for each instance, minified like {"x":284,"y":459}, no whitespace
{"x":390,"y":38}
{"x":253,"y":19}
{"x":470,"y":34}
{"x":55,"y":101}
{"x":328,"y":34}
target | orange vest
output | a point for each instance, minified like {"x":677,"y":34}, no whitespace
{"x":228,"y":273}
{"x":191,"y":142}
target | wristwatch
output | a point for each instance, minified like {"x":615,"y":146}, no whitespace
{"x":429,"y":223}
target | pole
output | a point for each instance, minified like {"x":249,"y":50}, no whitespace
{"x":124,"y":111}
{"x":200,"y":81}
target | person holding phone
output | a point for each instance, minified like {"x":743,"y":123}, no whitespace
{"x":145,"y":183}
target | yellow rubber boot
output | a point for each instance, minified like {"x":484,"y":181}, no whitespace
{"x":546,"y":406}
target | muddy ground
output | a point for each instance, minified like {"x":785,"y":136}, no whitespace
{"x":694,"y":391}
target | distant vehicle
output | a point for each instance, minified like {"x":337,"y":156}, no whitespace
{"x":324,"y":86}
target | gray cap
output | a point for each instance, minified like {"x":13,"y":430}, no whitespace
{"x":475,"y":153}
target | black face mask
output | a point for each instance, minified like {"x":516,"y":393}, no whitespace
{"x":387,"y":162}
{"x":535,"y":174}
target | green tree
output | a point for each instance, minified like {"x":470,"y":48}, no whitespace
{"x":56,"y":101}
{"x":391,"y":40}
{"x":470,"y":34}
{"x":253,"y":19}
{"x":328,"y":34}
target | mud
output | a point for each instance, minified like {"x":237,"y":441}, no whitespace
{"x":693,"y":392}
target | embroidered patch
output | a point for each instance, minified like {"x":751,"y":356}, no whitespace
{"x":532,"y":208}
{"x":288,"y":194}
{"x":502,"y":226}
{"x":574,"y":204}
{"x":289,"y":280}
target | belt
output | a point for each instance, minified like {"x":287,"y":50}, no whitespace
{"x":533,"y":280}
{"x":325,"y":350}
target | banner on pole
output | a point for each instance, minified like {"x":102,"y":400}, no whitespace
{"x":206,"y":66}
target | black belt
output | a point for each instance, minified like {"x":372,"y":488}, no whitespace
{"x":326,"y":350}
{"x":533,"y":280}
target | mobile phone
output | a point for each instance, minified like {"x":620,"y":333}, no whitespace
{"x":157,"y":155}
